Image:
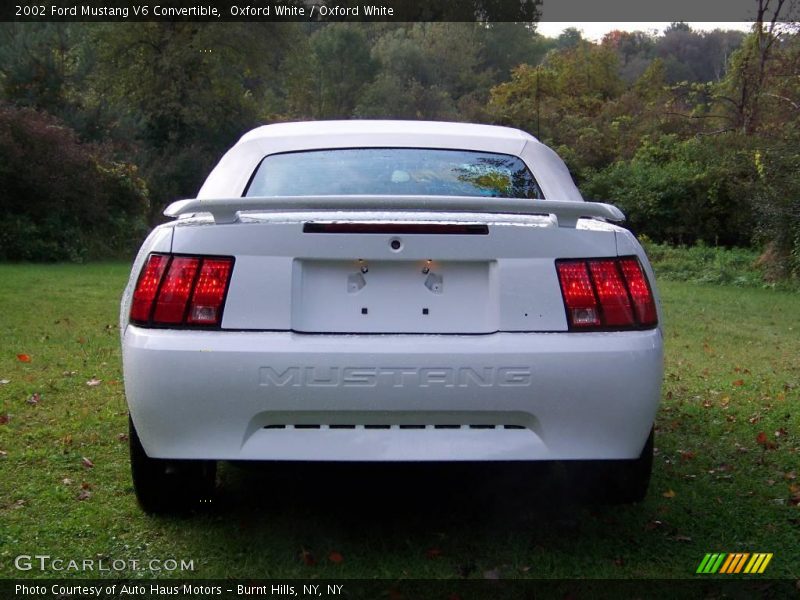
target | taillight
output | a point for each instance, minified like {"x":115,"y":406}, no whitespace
{"x":640,"y":291}
{"x":147,"y":286}
{"x":181,"y":291}
{"x":209,"y":292}
{"x":175,"y":289}
{"x":606,"y":293}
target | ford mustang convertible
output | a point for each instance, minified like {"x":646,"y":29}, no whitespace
{"x":394,"y":291}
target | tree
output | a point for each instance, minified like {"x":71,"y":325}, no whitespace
{"x":427,"y":71}
{"x":341,"y":66}
{"x":63,"y":199}
{"x":187,"y":91}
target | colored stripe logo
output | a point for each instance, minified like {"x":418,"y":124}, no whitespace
{"x":738,"y":562}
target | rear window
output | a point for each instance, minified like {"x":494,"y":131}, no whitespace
{"x":393,"y":171}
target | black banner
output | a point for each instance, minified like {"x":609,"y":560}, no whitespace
{"x":379,"y":10}
{"x":411,"y":589}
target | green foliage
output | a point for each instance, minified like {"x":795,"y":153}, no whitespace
{"x":693,"y":133}
{"x":678,"y":192}
{"x":562,"y":100}
{"x":740,"y":267}
{"x":341,"y":66}
{"x":37,"y":64}
{"x":63,"y":200}
{"x":187,"y":92}
{"x":429,"y":71}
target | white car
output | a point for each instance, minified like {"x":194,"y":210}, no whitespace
{"x":389,"y":291}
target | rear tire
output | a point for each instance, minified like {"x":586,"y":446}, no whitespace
{"x":626,"y":481}
{"x":169,"y":486}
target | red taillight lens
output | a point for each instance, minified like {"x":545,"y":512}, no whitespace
{"x":181,"y":291}
{"x":147,"y":286}
{"x":608,"y":293}
{"x":209,"y":293}
{"x":640,"y":291}
{"x":614,"y":300}
{"x":174,"y":292}
{"x":579,"y":297}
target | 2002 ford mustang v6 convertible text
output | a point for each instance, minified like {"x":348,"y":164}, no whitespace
{"x":389,"y":291}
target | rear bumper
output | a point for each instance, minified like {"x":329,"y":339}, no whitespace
{"x":288,"y":396}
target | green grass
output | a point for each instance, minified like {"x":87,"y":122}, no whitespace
{"x":732,"y":372}
{"x":741,"y":267}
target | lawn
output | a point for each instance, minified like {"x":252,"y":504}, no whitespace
{"x":725,"y":477}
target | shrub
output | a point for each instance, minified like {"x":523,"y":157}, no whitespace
{"x":62,"y":199}
{"x":681,"y":192}
{"x":705,"y":264}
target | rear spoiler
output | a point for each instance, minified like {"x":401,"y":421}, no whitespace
{"x":226,"y":210}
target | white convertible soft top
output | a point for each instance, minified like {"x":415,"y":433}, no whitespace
{"x":230,"y":177}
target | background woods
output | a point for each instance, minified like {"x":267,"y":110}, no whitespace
{"x":695,"y":135}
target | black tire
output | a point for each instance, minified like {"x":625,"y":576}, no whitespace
{"x":169,"y":486}
{"x":608,"y":481}
{"x":626,"y":481}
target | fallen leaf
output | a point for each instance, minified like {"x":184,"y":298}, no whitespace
{"x":432,"y":553}
{"x":619,"y":561}
{"x":67,"y":439}
{"x":4,"y":419}
{"x":794,"y":490}
{"x":34,"y":398}
{"x":763,"y":441}
{"x":69,"y":373}
{"x":66,"y":481}
{"x":4,"y":381}
{"x":23,"y":358}
{"x":19,"y":504}
{"x":790,"y":476}
{"x":738,"y":382}
{"x":87,"y":463}
{"x":669,"y":494}
{"x":3,"y":453}
{"x":86,"y":485}
{"x":681,"y":538}
{"x":308,"y":558}
{"x":84,"y":495}
{"x":687,"y":455}
{"x":122,"y":437}
{"x":81,"y":340}
{"x":654,"y":524}
{"x":93,"y":382}
{"x":492,"y":574}
{"x":724,"y":401}
{"x":335,"y":557}
{"x":781,"y":432}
